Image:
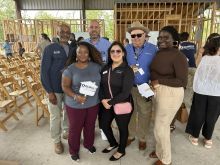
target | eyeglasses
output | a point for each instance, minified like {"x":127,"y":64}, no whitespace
{"x":115,"y":51}
{"x":138,"y":35}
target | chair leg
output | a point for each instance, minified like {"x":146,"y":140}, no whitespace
{"x":3,"y":127}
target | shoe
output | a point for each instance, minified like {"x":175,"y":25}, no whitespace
{"x":75,"y":157}
{"x":207,"y":143}
{"x":65,"y":135}
{"x":58,"y":148}
{"x":103,"y":135}
{"x":142,"y":145}
{"x":194,"y":141}
{"x":112,"y":158}
{"x":172,"y":128}
{"x":129,"y":141}
{"x":109,"y":149}
{"x":92,"y":150}
{"x":153,"y":155}
{"x":158,"y":162}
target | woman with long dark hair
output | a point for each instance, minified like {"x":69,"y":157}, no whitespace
{"x":83,"y":68}
{"x":205,"y":107}
{"x":116,"y":83}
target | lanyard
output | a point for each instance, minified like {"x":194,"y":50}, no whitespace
{"x":137,"y":53}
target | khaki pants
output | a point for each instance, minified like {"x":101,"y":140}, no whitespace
{"x":140,"y":119}
{"x":56,"y":117}
{"x":167,"y":102}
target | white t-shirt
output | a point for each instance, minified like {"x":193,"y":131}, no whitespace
{"x":207,"y":76}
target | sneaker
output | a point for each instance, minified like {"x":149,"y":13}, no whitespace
{"x":75,"y":157}
{"x":194,"y":141}
{"x":92,"y":150}
{"x":58,"y":147}
{"x":103,"y":135}
{"x":207,"y":143}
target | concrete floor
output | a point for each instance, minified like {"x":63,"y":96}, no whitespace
{"x":31,"y":145}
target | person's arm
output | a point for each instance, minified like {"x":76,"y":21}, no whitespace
{"x":181,"y":72}
{"x":66,"y":86}
{"x":127,"y":85}
{"x":45,"y":78}
{"x":45,"y":70}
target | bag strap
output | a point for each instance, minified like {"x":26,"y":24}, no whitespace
{"x":109,"y":87}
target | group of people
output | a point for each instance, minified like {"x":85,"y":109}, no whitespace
{"x":94,"y":76}
{"x":7,"y":46}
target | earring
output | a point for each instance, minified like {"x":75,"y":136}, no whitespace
{"x":89,"y":59}
{"x":76,"y":59}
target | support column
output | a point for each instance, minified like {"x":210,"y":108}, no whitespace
{"x":18,"y":9}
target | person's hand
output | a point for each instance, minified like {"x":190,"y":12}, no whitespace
{"x":105,"y":103}
{"x":52,"y":98}
{"x":80,"y":99}
{"x":135,"y":68}
{"x":155,"y":84}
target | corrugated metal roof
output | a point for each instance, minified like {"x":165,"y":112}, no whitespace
{"x":99,"y":4}
{"x":89,"y":4}
{"x":50,"y":4}
{"x":140,"y":1}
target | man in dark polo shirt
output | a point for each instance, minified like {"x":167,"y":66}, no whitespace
{"x":188,"y":49}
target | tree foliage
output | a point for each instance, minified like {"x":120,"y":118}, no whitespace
{"x":7,"y":11}
{"x":44,"y":15}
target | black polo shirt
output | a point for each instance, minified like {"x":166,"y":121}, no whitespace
{"x":121,"y":82}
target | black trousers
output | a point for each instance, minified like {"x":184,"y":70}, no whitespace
{"x":204,"y":113}
{"x":122,"y":122}
{"x":101,"y":109}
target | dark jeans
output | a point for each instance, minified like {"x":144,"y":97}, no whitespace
{"x":122,"y":122}
{"x":81,"y":119}
{"x":204,"y":113}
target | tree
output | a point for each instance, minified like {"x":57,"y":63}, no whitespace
{"x":108,"y":20}
{"x":44,"y":15}
{"x":7,"y":11}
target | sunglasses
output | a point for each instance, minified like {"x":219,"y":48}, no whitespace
{"x":115,"y":51}
{"x":137,"y":35}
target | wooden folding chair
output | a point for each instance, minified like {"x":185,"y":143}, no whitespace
{"x":8,"y":108}
{"x":15,"y":90}
{"x":41,"y":101}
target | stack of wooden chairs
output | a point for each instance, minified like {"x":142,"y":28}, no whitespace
{"x":19,"y":84}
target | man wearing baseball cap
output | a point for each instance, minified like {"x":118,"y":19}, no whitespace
{"x":139,"y":56}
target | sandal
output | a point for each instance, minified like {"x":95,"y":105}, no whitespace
{"x":207,"y":143}
{"x":194,"y":141}
{"x":153,"y":155}
{"x":172,"y":128}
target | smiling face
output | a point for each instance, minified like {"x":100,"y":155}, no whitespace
{"x":82,"y":54}
{"x":94,"y":30}
{"x":116,"y":54}
{"x":64,"y":33}
{"x":165,"y":40}
{"x":137,"y":38}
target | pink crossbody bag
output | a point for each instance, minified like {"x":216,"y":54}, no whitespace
{"x":119,"y":108}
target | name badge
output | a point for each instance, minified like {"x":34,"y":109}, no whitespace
{"x":105,"y":72}
{"x":56,"y":52}
{"x":141,"y":71}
